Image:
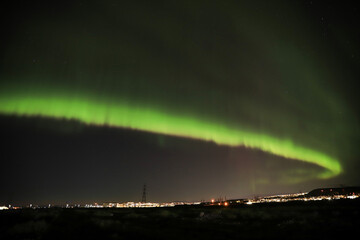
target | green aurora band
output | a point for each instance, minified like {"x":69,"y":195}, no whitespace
{"x":94,"y":111}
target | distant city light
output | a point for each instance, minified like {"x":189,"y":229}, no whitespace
{"x":334,"y":194}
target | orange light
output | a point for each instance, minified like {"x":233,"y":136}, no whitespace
{"x":212,"y":200}
{"x":226,"y":203}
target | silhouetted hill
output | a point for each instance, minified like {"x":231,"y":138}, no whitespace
{"x":334,"y":191}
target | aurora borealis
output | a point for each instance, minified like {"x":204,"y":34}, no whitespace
{"x":248,"y":86}
{"x":152,"y":120}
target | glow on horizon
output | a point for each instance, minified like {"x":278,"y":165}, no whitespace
{"x":95,"y":111}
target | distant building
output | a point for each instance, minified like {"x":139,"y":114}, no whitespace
{"x":110,"y":205}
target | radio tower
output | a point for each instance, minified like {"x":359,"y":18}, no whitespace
{"x":143,"y":199}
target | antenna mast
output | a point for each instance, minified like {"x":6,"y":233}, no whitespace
{"x":143,"y":199}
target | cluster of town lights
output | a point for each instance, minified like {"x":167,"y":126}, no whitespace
{"x":213,"y":202}
{"x":283,"y":198}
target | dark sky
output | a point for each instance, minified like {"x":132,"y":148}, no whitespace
{"x":197,"y":99}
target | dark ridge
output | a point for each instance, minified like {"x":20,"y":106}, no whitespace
{"x":334,"y":191}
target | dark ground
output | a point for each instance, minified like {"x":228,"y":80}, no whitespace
{"x":293,"y":220}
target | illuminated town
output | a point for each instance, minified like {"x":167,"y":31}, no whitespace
{"x":314,"y":195}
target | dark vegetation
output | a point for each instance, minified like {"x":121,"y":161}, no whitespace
{"x":292,"y":220}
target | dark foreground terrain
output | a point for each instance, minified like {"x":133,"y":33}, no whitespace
{"x":293,"y":220}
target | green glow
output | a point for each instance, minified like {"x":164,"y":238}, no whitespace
{"x":91,"y":110}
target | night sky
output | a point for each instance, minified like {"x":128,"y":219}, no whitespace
{"x":197,"y":99}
